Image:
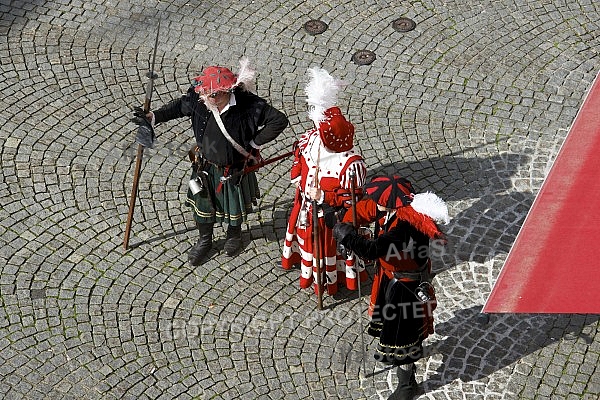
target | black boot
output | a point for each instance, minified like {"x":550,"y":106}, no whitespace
{"x":407,"y":383}
{"x":233,"y":242}
{"x":202,"y":246}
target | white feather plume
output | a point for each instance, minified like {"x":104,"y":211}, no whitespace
{"x":321,"y":91}
{"x":246,"y":75}
{"x":431,"y":205}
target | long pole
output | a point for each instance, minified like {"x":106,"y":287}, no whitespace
{"x":355,"y":223}
{"x":134,"y":190}
{"x":317,"y":253}
{"x":255,"y":167}
{"x":317,"y":237}
{"x":140,"y":150}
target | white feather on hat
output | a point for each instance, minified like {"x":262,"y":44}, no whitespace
{"x":321,"y":91}
{"x":245,"y":75}
{"x":431,"y":205}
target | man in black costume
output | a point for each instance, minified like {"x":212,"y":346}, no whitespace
{"x":230,"y":124}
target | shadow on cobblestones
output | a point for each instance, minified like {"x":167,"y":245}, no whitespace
{"x":273,"y":229}
{"x":472,"y":350}
{"x":161,"y":238}
{"x":492,"y":211}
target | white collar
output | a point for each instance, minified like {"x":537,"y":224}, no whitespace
{"x":231,"y":103}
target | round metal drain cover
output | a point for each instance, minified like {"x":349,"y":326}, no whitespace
{"x":404,"y":24}
{"x":363,"y":57}
{"x":315,"y":27}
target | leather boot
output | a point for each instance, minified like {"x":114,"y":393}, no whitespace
{"x":202,"y":246}
{"x":407,"y":383}
{"x":233,"y":241}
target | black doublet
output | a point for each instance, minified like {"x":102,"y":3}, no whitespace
{"x":252,"y":118}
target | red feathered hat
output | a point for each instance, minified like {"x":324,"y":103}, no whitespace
{"x":336,"y":132}
{"x":214,"y":79}
{"x":422,"y":210}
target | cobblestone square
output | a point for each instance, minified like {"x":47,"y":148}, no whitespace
{"x":472,"y":104}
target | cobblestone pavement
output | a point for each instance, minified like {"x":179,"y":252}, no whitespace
{"x":473,"y":104}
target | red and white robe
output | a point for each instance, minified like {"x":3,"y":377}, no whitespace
{"x":333,"y":179}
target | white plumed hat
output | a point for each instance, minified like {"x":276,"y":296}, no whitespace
{"x":321,"y":92}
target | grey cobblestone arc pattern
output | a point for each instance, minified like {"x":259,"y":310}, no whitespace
{"x":473,"y":105}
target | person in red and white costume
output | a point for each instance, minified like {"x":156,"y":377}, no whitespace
{"x":324,"y":164}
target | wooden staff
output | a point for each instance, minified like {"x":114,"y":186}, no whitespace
{"x":317,"y":253}
{"x":255,"y":167}
{"x":317,"y":239}
{"x":355,"y":224}
{"x":140,"y":150}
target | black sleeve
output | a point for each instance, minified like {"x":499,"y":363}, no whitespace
{"x":177,"y":108}
{"x":375,"y":248}
{"x":399,"y":236}
{"x":273,"y":122}
{"x":420,"y":249}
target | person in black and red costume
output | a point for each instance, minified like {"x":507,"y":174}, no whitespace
{"x":402,"y":298}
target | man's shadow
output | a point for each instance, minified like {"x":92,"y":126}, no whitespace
{"x":482,"y":188}
{"x":472,"y":350}
{"x":491,"y":215}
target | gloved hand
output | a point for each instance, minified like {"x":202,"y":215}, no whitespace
{"x":255,"y":157}
{"x":342,"y":230}
{"x":139,"y":116}
{"x":145,"y":134}
{"x":332,"y":215}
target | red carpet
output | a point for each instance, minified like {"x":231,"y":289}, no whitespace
{"x":554,"y":264}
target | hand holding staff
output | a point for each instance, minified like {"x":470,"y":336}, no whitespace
{"x":255,"y":167}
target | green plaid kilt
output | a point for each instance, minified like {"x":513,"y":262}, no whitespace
{"x":228,"y":202}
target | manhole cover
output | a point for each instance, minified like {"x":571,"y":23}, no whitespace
{"x":363,"y":57}
{"x":315,"y":27}
{"x":404,"y":24}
